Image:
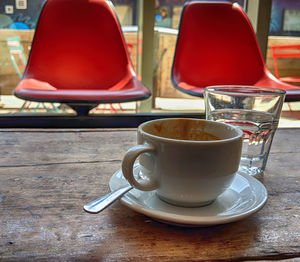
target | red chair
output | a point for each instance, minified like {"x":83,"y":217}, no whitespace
{"x":217,"y":45}
{"x":79,"y":57}
{"x":285,"y":51}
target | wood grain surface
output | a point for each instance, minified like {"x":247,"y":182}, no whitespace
{"x":46,"y":176}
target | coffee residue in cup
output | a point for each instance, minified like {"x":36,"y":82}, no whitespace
{"x":183,"y":129}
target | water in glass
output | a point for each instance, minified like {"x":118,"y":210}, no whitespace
{"x":258,"y":128}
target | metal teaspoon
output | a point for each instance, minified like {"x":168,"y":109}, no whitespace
{"x":103,"y":202}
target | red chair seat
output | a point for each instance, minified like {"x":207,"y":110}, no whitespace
{"x":43,"y":91}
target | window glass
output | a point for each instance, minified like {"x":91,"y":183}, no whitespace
{"x":17,"y":24}
{"x":285,"y":18}
{"x":284,"y":31}
{"x":18,"y":20}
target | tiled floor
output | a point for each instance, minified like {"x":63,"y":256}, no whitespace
{"x":12,"y":105}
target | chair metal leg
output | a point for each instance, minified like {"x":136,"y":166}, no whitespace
{"x":56,"y":109}
{"x":25,"y":105}
{"x":37,"y":107}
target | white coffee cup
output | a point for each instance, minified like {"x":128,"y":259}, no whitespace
{"x":179,"y":162}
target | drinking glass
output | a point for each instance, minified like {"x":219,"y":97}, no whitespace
{"x":256,"y":110}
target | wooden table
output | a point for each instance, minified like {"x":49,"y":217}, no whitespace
{"x":46,"y":176}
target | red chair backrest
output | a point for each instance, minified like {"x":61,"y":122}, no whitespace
{"x":216,"y":45}
{"x":78,"y":44}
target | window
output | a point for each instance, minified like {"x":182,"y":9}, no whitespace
{"x":18,"y":20}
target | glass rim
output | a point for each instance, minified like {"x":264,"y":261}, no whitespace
{"x":237,"y":90}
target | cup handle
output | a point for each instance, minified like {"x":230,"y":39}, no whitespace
{"x":127,"y":168}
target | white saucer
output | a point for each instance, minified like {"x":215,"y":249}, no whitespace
{"x":245,"y":197}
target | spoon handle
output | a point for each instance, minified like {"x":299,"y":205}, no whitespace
{"x":103,"y":202}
